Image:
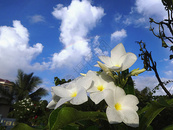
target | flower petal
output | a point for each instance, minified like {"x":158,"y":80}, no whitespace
{"x":61,"y":91}
{"x":116,"y":53}
{"x":80,"y":98}
{"x":96,"y":65}
{"x":130,"y":117}
{"x":97,"y":97}
{"x":87,"y":80}
{"x":115,"y":68}
{"x":127,"y":60}
{"x":62,"y":101}
{"x":105,"y":77}
{"x":130,"y":101}
{"x":105,"y":69}
{"x":92,"y":88}
{"x":109,"y":98}
{"x":106,"y":60}
{"x":113,"y":116}
{"x":51,"y":105}
{"x":119,"y":93}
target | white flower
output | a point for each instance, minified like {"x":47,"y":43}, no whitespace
{"x":122,"y":108}
{"x":119,"y":60}
{"x":85,"y":80}
{"x":54,"y":101}
{"x":75,"y":92}
{"x":101,"y":86}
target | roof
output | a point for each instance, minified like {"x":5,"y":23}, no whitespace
{"x":4,"y":81}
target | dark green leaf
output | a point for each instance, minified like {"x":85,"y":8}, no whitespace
{"x":154,"y":109}
{"x":170,"y":127}
{"x":22,"y":126}
{"x":163,"y":102}
{"x":129,"y":87}
{"x":151,"y":113}
{"x":68,"y":115}
{"x":53,"y":117}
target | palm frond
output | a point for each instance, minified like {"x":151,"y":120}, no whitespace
{"x":38,"y":94}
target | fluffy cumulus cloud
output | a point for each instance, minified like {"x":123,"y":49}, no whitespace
{"x":151,"y":8}
{"x":142,"y":11}
{"x":77,"y":20}
{"x":118,"y":35}
{"x":15,"y":52}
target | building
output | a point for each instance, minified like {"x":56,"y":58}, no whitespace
{"x":4,"y":105}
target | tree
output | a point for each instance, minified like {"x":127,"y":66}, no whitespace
{"x":25,"y":86}
{"x":150,"y":64}
{"x":165,"y":25}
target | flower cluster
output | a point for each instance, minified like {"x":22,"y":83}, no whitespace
{"x":28,"y":111}
{"x":101,"y":86}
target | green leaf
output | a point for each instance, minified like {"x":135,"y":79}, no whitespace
{"x":171,"y":57}
{"x":143,"y":110}
{"x":22,"y":126}
{"x":93,"y":128}
{"x":53,"y":117}
{"x":129,"y":87}
{"x":162,"y":101}
{"x":169,"y":127}
{"x":68,"y":115}
{"x":152,"y":111}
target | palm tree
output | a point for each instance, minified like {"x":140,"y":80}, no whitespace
{"x":25,"y":86}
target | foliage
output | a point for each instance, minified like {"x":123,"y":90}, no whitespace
{"x":30,"y":112}
{"x":24,"y":87}
{"x":58,"y":81}
{"x":153,"y":110}
{"x":145,"y":96}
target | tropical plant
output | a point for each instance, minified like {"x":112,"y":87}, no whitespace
{"x":26,"y":86}
{"x":30,"y":112}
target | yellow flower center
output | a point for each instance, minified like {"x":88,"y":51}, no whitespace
{"x":74,"y":94}
{"x":117,"y":65}
{"x":100,"y":87}
{"x":118,"y":106}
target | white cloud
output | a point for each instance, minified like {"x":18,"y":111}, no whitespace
{"x":118,"y":35}
{"x":37,"y":18}
{"x":142,"y":11}
{"x":77,"y":20}
{"x":127,"y":21}
{"x":15,"y":52}
{"x":150,"y":81}
{"x":96,"y":47}
{"x":169,"y":73}
{"x":151,"y":8}
{"x":117,"y":17}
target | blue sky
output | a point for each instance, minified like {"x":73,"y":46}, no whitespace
{"x":63,"y":37}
